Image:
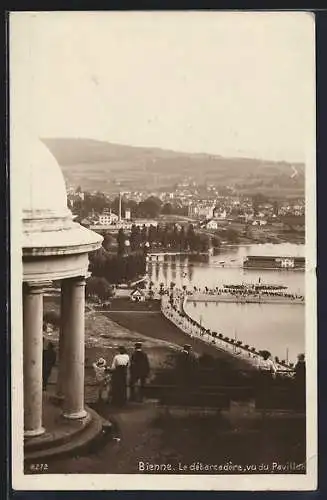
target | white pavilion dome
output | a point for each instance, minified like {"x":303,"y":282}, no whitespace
{"x":48,"y":227}
{"x":44,"y":189}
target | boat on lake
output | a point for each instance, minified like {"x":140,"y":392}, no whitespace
{"x":256,"y":286}
{"x":271,"y":262}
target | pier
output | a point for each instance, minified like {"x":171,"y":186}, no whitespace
{"x":237,"y":299}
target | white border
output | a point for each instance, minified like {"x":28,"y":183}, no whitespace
{"x":58,"y":482}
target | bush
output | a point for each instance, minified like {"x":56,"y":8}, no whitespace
{"x":52,"y":317}
{"x":99,"y":287}
{"x":265,"y":354}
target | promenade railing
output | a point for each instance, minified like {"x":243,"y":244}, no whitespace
{"x":173,"y":308}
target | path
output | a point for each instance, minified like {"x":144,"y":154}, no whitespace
{"x":157,"y":326}
{"x":207,"y":439}
{"x":135,"y":439}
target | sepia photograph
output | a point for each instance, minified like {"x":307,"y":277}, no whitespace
{"x":163,"y":250}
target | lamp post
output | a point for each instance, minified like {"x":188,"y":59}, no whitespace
{"x":146,"y":248}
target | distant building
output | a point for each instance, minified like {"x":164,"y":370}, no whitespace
{"x":201,"y":210}
{"x":137,"y":295}
{"x":127,"y":214}
{"x":212,"y":224}
{"x":287,"y":262}
{"x":107,"y":218}
{"x":145,"y":222}
{"x":259,"y":222}
{"x":219,"y":214}
{"x":74,"y":196}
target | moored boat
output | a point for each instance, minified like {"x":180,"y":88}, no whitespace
{"x":272,"y":262}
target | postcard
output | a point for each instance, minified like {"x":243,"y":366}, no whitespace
{"x":163,"y":250}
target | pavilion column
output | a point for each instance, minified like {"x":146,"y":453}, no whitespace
{"x":32,"y":355}
{"x":73,"y":290}
{"x":63,"y":332}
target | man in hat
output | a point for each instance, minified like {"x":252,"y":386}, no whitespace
{"x":300,"y":371}
{"x":187,"y":367}
{"x":187,"y":349}
{"x":139,"y":370}
{"x":101,"y":374}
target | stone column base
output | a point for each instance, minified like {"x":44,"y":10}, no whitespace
{"x":74,"y":415}
{"x":34,"y":432}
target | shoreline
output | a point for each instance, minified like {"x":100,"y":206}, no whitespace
{"x":258,"y":268}
{"x":192,"y":328}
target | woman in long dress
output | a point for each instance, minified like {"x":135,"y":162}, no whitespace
{"x":119,"y":368}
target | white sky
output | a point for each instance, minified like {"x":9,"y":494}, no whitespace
{"x":234,"y":84}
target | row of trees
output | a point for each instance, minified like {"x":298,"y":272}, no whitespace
{"x":116,"y":268}
{"x":168,"y":236}
{"x":151,"y":207}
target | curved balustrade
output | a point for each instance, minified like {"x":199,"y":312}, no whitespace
{"x":174,"y":310}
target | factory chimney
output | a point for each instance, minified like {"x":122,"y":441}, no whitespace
{"x":119,"y":213}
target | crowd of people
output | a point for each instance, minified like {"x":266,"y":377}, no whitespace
{"x":238,"y":291}
{"x":246,"y":291}
{"x":125,"y":370}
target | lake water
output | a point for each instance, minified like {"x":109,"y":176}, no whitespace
{"x":279,"y":328}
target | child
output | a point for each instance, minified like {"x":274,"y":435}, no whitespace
{"x":101,"y":375}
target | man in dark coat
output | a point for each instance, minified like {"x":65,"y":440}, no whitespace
{"x":300,"y":377}
{"x":49,"y":360}
{"x":187,"y":376}
{"x":139,"y":370}
{"x":187,"y":366}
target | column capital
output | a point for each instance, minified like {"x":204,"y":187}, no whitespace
{"x":36,"y":286}
{"x":76,"y":281}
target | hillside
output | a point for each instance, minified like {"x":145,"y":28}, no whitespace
{"x":104,"y":166}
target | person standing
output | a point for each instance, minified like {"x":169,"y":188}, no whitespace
{"x":49,"y":360}
{"x":139,"y":370}
{"x":187,"y":365}
{"x":267,"y":374}
{"x":269,"y":367}
{"x":119,"y":367}
{"x":101,"y":374}
{"x":300,"y":376}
